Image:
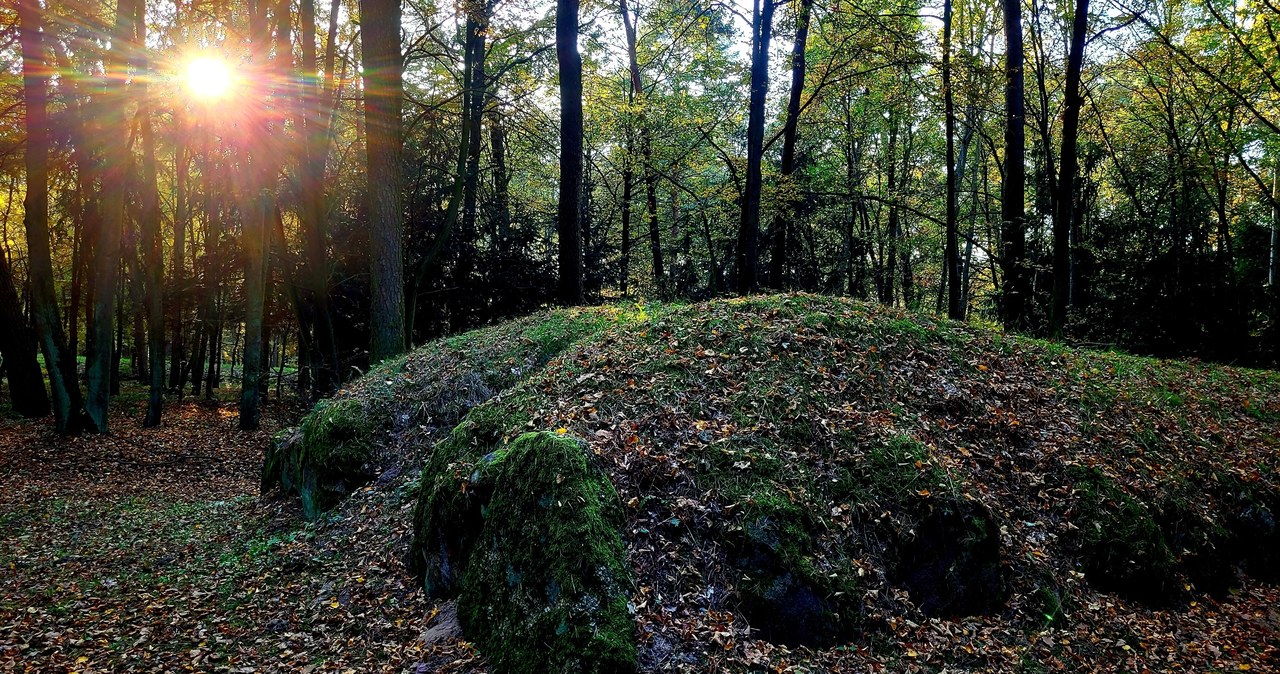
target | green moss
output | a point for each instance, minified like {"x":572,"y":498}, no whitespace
{"x":1122,"y":547}
{"x":547,"y":587}
{"x":325,"y":458}
{"x":527,"y":535}
{"x":456,"y":483}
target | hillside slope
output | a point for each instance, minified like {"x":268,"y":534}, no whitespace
{"x":813,"y":482}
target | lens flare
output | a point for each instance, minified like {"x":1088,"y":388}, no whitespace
{"x":209,"y":78}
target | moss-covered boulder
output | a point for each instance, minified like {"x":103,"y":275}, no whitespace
{"x":780,"y":590}
{"x":1254,"y":522}
{"x":325,"y":458}
{"x":528,"y":538}
{"x":1122,"y":548}
{"x":950,"y":563}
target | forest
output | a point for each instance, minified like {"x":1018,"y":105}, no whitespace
{"x":623,"y":336}
{"x":223,"y":194}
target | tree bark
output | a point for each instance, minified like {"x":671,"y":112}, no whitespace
{"x":258,"y":209}
{"x":383,"y":91}
{"x":955,"y":298}
{"x":314,"y":208}
{"x":477,"y":26}
{"x":501,"y":204}
{"x":1013,"y":235}
{"x":1273,"y":277}
{"x":152,"y":242}
{"x":18,"y":347}
{"x":178,"y":272}
{"x":568,"y":216}
{"x":59,"y":362}
{"x":785,"y":218}
{"x":100,"y":360}
{"x":637,"y":98}
{"x":1069,"y":161}
{"x":749,"y":225}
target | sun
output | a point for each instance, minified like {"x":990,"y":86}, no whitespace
{"x":209,"y":78}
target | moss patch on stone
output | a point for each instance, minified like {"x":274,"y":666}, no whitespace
{"x":325,"y":458}
{"x":1122,"y":548}
{"x":527,"y":536}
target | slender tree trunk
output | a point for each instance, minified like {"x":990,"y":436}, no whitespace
{"x":568,"y":217}
{"x":1273,"y":277}
{"x":60,"y":362}
{"x":785,"y":219}
{"x":955,"y":299}
{"x":258,"y":209}
{"x":501,"y":205}
{"x":100,"y":361}
{"x":1013,"y":235}
{"x":178,"y":272}
{"x":637,"y":98}
{"x":628,"y":181}
{"x":313,"y":212}
{"x":895,"y":221}
{"x":1062,"y":217}
{"x":383,"y":91}
{"x":152,"y":242}
{"x":477,"y":26}
{"x":749,"y":226}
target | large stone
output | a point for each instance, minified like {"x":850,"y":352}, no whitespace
{"x":527,"y":538}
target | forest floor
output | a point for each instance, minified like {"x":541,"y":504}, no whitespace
{"x":152,"y":551}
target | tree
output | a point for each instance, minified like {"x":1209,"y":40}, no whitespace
{"x":1069,"y":163}
{"x":749,"y":227}
{"x":153,"y":245}
{"x":59,"y":360}
{"x":316,"y":101}
{"x":568,"y":213}
{"x":1013,"y":232}
{"x":783,"y":222}
{"x":951,"y":255}
{"x":383,"y":93}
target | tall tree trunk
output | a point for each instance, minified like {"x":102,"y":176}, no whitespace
{"x":628,"y":182}
{"x":477,"y":26}
{"x":568,"y":217}
{"x":153,"y":244}
{"x":1062,"y":217}
{"x":314,"y":207}
{"x":60,"y":363}
{"x":749,"y":225}
{"x":258,"y":209}
{"x":955,"y":298}
{"x":895,"y":221}
{"x":178,"y":271}
{"x":501,"y":202}
{"x":383,"y":91}
{"x":785,"y":219}
{"x":18,"y":348}
{"x":637,"y":98}
{"x":1273,"y":278}
{"x":99,"y":362}
{"x":1013,"y":234}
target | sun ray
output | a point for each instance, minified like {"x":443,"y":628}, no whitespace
{"x":209,"y":78}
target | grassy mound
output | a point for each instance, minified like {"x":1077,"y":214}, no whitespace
{"x":808,"y":472}
{"x":380,"y":422}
